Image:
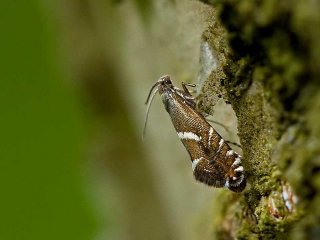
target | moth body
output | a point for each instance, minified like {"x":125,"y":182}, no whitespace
{"x":213,"y":161}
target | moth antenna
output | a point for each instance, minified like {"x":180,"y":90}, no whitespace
{"x":149,"y":102}
{"x":190,"y":84}
{"x":220,"y":124}
{"x":154,"y":85}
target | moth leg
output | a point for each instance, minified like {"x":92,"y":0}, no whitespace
{"x":220,"y":124}
{"x":185,"y":85}
{"x":233,"y":143}
{"x":227,"y":129}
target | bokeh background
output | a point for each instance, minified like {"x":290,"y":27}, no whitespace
{"x":74,"y":78}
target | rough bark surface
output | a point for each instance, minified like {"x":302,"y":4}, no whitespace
{"x":268,"y":70}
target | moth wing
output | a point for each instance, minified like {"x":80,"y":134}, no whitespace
{"x":187,"y":97}
{"x":211,"y":173}
{"x":221,"y":167}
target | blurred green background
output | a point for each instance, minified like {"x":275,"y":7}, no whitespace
{"x":74,"y":77}
{"x":43,"y":133}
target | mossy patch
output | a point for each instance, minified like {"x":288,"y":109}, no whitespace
{"x":269,"y":72}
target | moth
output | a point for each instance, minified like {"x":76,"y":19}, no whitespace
{"x":213,"y":161}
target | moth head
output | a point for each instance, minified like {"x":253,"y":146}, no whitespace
{"x":164,"y":83}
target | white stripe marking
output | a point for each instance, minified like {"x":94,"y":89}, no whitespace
{"x":239,"y":169}
{"x":229,"y":153}
{"x":210,"y":136}
{"x":195,"y":163}
{"x":189,"y":135}
{"x":227,"y":184}
{"x":236,"y":162}
{"x":221,"y":143}
{"x":237,"y":183}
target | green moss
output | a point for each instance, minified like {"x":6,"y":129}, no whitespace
{"x":268,"y":71}
{"x":215,"y":35}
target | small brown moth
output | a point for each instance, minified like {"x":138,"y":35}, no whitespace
{"x":213,"y":161}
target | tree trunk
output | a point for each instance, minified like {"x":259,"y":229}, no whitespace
{"x":268,"y":56}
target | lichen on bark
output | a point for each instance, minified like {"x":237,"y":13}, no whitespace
{"x":268,"y":70}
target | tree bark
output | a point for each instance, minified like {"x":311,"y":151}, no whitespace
{"x":268,"y":69}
